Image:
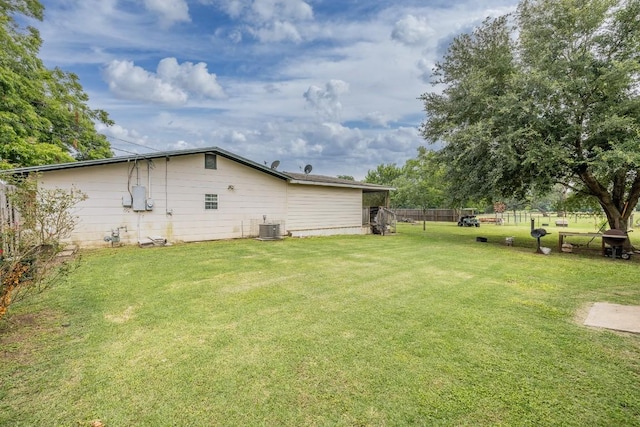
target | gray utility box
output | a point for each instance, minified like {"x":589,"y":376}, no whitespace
{"x":139,"y":194}
{"x":126,"y":201}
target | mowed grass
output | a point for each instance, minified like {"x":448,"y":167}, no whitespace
{"x":418,"y":328}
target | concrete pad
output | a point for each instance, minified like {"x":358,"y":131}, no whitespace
{"x":614,"y":316}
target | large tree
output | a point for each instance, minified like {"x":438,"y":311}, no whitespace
{"x":384,"y":174}
{"x":419,"y":183}
{"x":550,"y":94}
{"x":44,"y":117}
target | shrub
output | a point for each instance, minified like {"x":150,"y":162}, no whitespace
{"x":33,"y":225}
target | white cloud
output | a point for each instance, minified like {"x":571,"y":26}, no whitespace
{"x":169,"y":11}
{"x":118,"y":131}
{"x":425,"y":67}
{"x":401,"y":140}
{"x":277,"y":31}
{"x":194,"y":78}
{"x":233,"y":8}
{"x":268,"y":10}
{"x":269,"y":20}
{"x":303,"y":149}
{"x":235,"y":36}
{"x":93,"y":31}
{"x":181,"y":145}
{"x":173,"y":84}
{"x":385,"y":56}
{"x":129,"y":81}
{"x":261,"y":11}
{"x":326,"y":101}
{"x":238,"y":137}
{"x":413,"y":31}
{"x":377,"y":118}
{"x":124,"y":141}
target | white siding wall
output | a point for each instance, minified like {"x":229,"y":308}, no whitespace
{"x":177,"y":188}
{"x":317,"y":210}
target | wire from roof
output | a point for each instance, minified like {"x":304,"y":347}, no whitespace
{"x":124,"y":151}
{"x":131,"y":142}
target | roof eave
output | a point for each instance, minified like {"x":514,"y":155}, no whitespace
{"x":146,"y":156}
{"x":335,"y":184}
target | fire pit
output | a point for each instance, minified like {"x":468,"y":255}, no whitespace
{"x":616,"y":240}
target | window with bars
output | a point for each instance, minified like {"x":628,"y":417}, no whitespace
{"x":210,"y":201}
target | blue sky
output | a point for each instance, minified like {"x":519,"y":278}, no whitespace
{"x":329,"y":83}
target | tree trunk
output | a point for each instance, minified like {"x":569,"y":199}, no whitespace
{"x":618,"y":216}
{"x":614,"y":217}
{"x":617,"y":210}
{"x":619,"y":221}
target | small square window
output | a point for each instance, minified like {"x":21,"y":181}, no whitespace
{"x":210,"y":161}
{"x":210,"y":201}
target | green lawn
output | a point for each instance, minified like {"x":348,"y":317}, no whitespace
{"x":418,"y":328}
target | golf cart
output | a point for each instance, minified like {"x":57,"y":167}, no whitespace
{"x":468,"y":221}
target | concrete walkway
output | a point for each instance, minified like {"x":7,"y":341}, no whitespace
{"x":614,"y":316}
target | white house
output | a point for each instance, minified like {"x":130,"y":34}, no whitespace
{"x":203,"y":194}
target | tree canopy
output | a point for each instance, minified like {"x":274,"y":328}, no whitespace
{"x":419,"y":183}
{"x":547,"y":95}
{"x":44,"y":117}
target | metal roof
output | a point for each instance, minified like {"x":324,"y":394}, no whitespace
{"x":144,"y":156}
{"x":308,"y":179}
{"x":294,"y":178}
